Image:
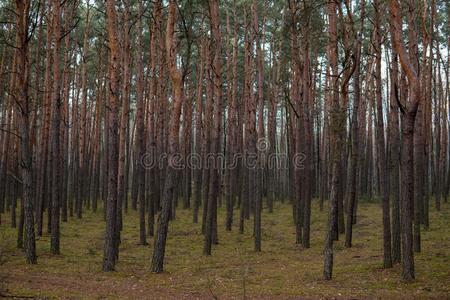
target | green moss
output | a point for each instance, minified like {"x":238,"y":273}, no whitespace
{"x":282,"y":269}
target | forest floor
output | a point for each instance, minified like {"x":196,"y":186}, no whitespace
{"x":282,"y":270}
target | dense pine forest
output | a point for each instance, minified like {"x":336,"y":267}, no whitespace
{"x":224,"y":149}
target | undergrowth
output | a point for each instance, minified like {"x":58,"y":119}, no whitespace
{"x":283,"y":269}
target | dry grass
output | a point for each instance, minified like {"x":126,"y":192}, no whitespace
{"x":282,"y":270}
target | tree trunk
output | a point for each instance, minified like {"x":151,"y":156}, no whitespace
{"x":157,"y":264}
{"x":394,"y":171}
{"x":199,"y":131}
{"x":382,"y":161}
{"x":336,"y":124}
{"x":214,"y":182}
{"x":56,"y":116}
{"x":110,"y":248}
{"x":22,"y":101}
{"x":409,"y":111}
{"x":43,"y":176}
{"x":260,"y":151}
